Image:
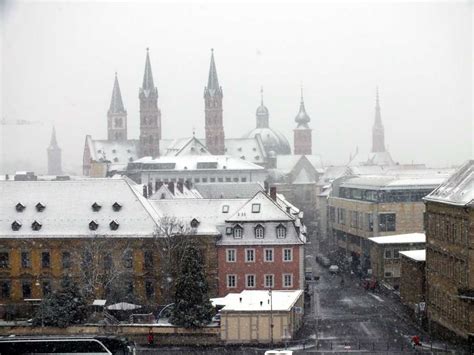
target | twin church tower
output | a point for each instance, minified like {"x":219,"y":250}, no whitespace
{"x":150,"y":118}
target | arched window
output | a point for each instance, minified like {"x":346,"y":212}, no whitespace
{"x":281,"y":231}
{"x":259,"y":231}
{"x":238,"y":232}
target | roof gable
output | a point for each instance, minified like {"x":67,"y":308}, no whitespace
{"x":260,"y":208}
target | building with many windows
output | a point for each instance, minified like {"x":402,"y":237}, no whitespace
{"x":449,"y":255}
{"x":363,"y":207}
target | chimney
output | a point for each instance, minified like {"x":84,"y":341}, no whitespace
{"x":7,"y":177}
{"x":145,"y":190}
{"x":171,"y":187}
{"x":159,"y":184}
{"x":179,"y":185}
{"x":273,"y":193}
{"x":150,"y":188}
{"x":265,"y":186}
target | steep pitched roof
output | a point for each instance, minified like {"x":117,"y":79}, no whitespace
{"x":118,"y":153}
{"x":228,"y":190}
{"x":212,"y":81}
{"x":458,"y":189}
{"x":268,"y":210}
{"x":53,"y":144}
{"x":116,"y":103}
{"x":68,"y":209}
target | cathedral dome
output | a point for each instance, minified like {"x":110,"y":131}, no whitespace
{"x":272,"y":140}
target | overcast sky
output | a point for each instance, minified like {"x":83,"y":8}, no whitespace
{"x":59,"y":59}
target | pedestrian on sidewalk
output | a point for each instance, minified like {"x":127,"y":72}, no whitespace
{"x":415,"y":340}
{"x":151,"y":337}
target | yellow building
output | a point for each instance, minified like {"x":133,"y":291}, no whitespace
{"x":247,"y":317}
{"x":100,"y":232}
{"x":449,"y":254}
{"x":363,"y":207}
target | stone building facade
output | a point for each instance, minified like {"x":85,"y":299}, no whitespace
{"x":413,"y":279}
{"x":362,"y":207}
{"x":449,"y":253}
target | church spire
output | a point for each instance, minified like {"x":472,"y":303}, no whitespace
{"x":302,"y":117}
{"x":378,"y":134}
{"x":54,"y":156}
{"x":148,"y":84}
{"x":116,"y":103}
{"x":262,"y":113}
{"x":53,"y":143}
{"x":213,"y":81}
{"x":214,"y":125}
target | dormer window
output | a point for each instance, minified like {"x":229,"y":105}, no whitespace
{"x":115,"y":160}
{"x":239,"y":149}
{"x":259,"y":231}
{"x":225,"y":209}
{"x":19,"y":207}
{"x":16,"y":226}
{"x":257,"y":157}
{"x":36,"y":226}
{"x":114,"y":151}
{"x":238,"y":232}
{"x":228,"y":230}
{"x":130,"y":159}
{"x":194,"y":223}
{"x":255,"y":208}
{"x":114,"y":225}
{"x":40,"y":207}
{"x":281,"y":231}
{"x":96,"y":207}
{"x":93,"y":225}
{"x":117,"y":206}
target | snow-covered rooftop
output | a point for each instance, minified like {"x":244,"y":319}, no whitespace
{"x":118,"y":153}
{"x":228,"y":190}
{"x":210,"y":213}
{"x":391,"y":182}
{"x":68,"y":209}
{"x":458,"y":189}
{"x":417,"y":255}
{"x":409,"y":238}
{"x":250,"y":149}
{"x":198,"y":162}
{"x":261,"y":208}
{"x":258,"y":301}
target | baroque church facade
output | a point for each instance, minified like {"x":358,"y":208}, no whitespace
{"x":260,"y":146}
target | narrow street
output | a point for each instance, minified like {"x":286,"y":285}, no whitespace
{"x":348,"y":317}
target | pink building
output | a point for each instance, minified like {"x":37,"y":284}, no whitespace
{"x":262,"y":247}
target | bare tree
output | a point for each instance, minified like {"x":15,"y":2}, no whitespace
{"x":171,"y":238}
{"x":98,"y":270}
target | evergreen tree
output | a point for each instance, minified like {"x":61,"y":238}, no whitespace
{"x":62,"y":308}
{"x":192,"y":307}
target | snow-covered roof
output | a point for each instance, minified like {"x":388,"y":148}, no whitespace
{"x":165,"y":193}
{"x":417,"y":255}
{"x":68,"y":209}
{"x":118,"y":153}
{"x":260,"y":208}
{"x":210,"y":213}
{"x":458,"y":189}
{"x":182,"y":146}
{"x":384,"y":182}
{"x":258,"y":301}
{"x":250,"y":149}
{"x":409,"y":238}
{"x":228,"y":190}
{"x":200,"y":163}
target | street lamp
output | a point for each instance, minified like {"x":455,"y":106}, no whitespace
{"x":271,"y":316}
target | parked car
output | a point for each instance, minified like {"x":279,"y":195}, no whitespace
{"x":334,"y":269}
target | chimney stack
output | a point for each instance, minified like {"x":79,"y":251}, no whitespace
{"x":150,"y":188}
{"x":179,"y":185}
{"x":265,"y":186}
{"x":145,"y":190}
{"x":188,"y":184}
{"x":171,"y":187}
{"x":273,"y":193}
